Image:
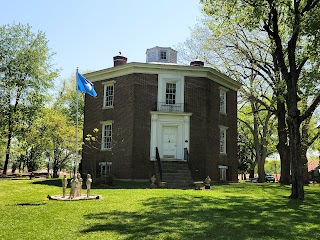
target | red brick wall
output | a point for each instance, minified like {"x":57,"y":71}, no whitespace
{"x":131,"y":127}
{"x":135,"y":96}
{"x":203,"y":100}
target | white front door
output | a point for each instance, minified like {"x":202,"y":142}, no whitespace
{"x":169,"y":141}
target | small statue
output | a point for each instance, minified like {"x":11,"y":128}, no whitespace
{"x":73,"y":185}
{"x":153,"y":181}
{"x":79,"y":185}
{"x":64,"y":185}
{"x":88,"y":183}
{"x":207,"y":183}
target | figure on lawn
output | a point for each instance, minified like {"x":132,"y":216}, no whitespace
{"x":73,"y":184}
{"x":207,"y":183}
{"x":88,"y":183}
{"x":64,"y":185}
{"x":79,"y":185}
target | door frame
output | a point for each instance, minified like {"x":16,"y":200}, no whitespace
{"x":160,"y":120}
{"x":177,"y":140}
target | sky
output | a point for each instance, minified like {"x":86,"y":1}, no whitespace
{"x":87,"y":34}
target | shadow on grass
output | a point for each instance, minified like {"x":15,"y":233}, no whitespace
{"x":30,"y":204}
{"x":50,"y":182}
{"x":116,"y":185}
{"x":204,"y":217}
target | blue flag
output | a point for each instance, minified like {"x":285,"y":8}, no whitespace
{"x":85,"y":86}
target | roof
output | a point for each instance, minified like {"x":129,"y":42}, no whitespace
{"x":313,"y":164}
{"x":190,"y":71}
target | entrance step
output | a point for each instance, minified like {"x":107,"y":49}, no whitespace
{"x":176,"y":174}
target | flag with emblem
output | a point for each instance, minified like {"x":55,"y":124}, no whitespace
{"x":85,"y":85}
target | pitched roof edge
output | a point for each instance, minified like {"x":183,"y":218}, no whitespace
{"x":190,"y":71}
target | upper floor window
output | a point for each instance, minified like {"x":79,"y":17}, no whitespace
{"x":171,"y":93}
{"x":223,"y":100}
{"x":163,"y":55}
{"x":108,"y":94}
{"x":223,"y":139}
{"x":106,"y":142}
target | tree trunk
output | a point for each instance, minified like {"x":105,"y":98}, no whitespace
{"x":282,"y":145}
{"x":297,"y":190}
{"x":55,"y":167}
{"x":261,"y":173}
{"x":304,"y":148}
{"x":55,"y":171}
{"x":5,"y":167}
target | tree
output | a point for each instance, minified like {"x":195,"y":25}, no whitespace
{"x":26,"y":74}
{"x":243,"y":56}
{"x":60,"y":136}
{"x":292,"y":27}
{"x":67,"y":101}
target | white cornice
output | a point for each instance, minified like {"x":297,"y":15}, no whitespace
{"x":171,"y":113}
{"x":147,"y":68}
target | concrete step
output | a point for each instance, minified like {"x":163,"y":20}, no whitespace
{"x":176,"y":174}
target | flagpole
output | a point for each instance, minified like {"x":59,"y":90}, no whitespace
{"x":76,"y":161}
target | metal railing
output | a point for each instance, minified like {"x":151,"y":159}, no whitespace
{"x":159,"y":163}
{"x":193,"y":170}
{"x":165,"y":107}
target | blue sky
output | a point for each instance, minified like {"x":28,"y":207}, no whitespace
{"x":87,"y":34}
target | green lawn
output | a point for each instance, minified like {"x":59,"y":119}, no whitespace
{"x":235,"y":211}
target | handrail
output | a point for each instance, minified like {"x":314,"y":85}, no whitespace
{"x":170,"y":107}
{"x":159,"y":163}
{"x":190,"y":164}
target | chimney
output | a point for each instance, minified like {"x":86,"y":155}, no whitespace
{"x":197,"y":63}
{"x":119,"y":60}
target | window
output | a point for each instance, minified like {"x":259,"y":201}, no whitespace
{"x":223,"y":173}
{"x":163,"y":55}
{"x":108,"y":95}
{"x":105,"y":169}
{"x":223,"y":139}
{"x":171,"y":93}
{"x":223,"y":101}
{"x":106,"y":143}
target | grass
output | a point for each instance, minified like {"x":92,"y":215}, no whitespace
{"x":132,"y":211}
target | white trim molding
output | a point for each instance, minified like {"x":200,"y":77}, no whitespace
{"x":158,"y":68}
{"x":223,"y":100}
{"x":104,"y":137}
{"x":105,"y":88}
{"x":223,"y":139}
{"x":159,"y":121}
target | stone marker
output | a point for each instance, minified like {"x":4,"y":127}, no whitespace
{"x":64,"y":185}
{"x":88,"y":183}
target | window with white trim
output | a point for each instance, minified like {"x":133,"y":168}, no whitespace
{"x":171,"y":93}
{"x":223,"y":173}
{"x":105,"y":169}
{"x":223,"y":101}
{"x":223,"y":139}
{"x":163,"y":55}
{"x":106,"y":142}
{"x":108,"y":95}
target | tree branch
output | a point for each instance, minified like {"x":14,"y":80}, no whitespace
{"x":311,"y":108}
{"x":309,"y":5}
{"x":247,"y":124}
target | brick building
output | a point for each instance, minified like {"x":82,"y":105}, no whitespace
{"x":182,"y":114}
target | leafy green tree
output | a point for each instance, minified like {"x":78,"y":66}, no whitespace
{"x":60,"y":136}
{"x":292,"y":28}
{"x":67,"y":101}
{"x":244,"y":57}
{"x":248,"y":58}
{"x":26,"y":73}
